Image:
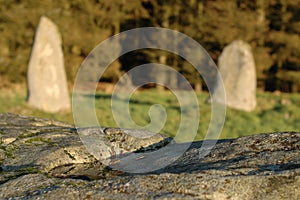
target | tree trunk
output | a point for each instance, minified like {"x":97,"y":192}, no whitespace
{"x":198,"y":87}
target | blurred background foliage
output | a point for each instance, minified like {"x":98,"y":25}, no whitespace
{"x":271,"y":27}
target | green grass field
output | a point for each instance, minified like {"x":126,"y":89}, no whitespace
{"x":274,"y":112}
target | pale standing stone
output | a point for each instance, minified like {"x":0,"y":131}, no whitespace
{"x":47,"y":84}
{"x":237,"y":68}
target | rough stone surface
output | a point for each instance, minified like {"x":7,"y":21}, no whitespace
{"x":45,"y":159}
{"x":47,"y":86}
{"x":237,"y":68}
{"x":110,"y":144}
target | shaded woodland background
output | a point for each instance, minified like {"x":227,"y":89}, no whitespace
{"x":271,"y":27}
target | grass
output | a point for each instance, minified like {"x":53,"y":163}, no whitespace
{"x":274,"y":112}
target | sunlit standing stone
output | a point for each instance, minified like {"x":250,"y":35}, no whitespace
{"x":47,"y":84}
{"x":237,"y":68}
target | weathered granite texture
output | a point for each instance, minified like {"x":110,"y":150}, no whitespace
{"x":45,"y":159}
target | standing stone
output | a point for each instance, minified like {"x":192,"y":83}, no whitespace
{"x":237,"y":68}
{"x":47,"y":84}
{"x":125,"y":84}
